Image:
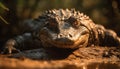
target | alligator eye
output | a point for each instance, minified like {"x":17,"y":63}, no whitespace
{"x":52,"y":23}
{"x":74,"y":22}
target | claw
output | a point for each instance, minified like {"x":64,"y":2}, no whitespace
{"x":9,"y":46}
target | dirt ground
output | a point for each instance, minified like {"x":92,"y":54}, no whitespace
{"x":52,"y":58}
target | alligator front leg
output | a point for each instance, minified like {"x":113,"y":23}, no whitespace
{"x":107,"y":37}
{"x":111,"y":38}
{"x":14,"y":43}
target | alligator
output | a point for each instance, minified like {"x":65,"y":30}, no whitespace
{"x":64,"y":28}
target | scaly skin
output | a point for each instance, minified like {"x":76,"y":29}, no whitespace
{"x":64,"y":29}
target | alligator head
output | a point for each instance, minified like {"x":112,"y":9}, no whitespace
{"x":64,"y":29}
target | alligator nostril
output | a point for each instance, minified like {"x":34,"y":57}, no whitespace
{"x":60,"y":35}
{"x":70,"y":35}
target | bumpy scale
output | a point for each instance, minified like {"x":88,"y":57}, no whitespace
{"x":64,"y":29}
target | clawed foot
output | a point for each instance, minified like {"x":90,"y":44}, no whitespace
{"x":9,"y":47}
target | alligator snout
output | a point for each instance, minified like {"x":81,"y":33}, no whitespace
{"x":63,"y":35}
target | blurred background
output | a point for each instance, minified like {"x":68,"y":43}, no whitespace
{"x":13,"y":12}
